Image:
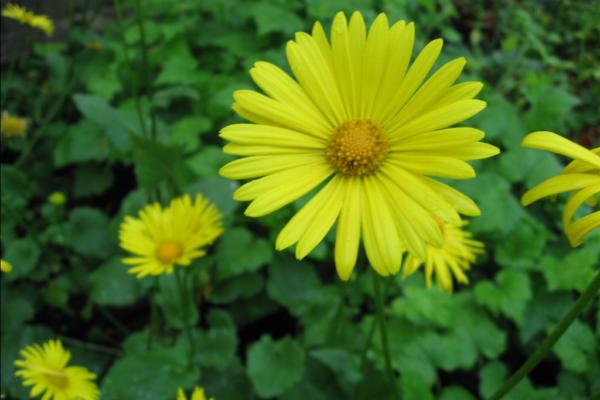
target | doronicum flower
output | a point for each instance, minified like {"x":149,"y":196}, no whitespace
{"x":452,"y":259}
{"x":197,"y":394}
{"x":25,"y":17}
{"x":12,"y":126}
{"x":164,"y":237}
{"x":581,"y":176}
{"x":366,"y":132}
{"x":46,"y":368}
{"x":5,"y":266}
{"x":57,"y":198}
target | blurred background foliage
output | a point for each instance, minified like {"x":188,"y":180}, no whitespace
{"x":267,"y":326}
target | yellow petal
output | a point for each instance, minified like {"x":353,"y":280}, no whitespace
{"x":264,"y":135}
{"x":559,"y":184}
{"x":461,"y":202}
{"x":347,"y":237}
{"x":471,"y":151}
{"x":437,"y":140}
{"x":460,"y":91}
{"x":375,"y":59}
{"x":257,"y":166}
{"x":578,"y":166}
{"x":322,"y":221}
{"x":557,"y":144}
{"x":576,"y":200}
{"x":447,"y":167}
{"x":577,"y":230}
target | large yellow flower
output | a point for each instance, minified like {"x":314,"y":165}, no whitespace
{"x":198,"y":394}
{"x":582,"y":176}
{"x":45,"y":368}
{"x":21,"y":14}
{"x":12,"y":126}
{"x":162,"y":238}
{"x":364,"y":129}
{"x":455,"y":256}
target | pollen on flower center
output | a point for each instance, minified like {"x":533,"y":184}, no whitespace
{"x":57,"y":379}
{"x":356,"y":148}
{"x":168,"y":251}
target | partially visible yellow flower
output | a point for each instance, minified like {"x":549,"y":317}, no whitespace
{"x":198,"y":394}
{"x":5,"y":266}
{"x":12,"y":126}
{"x":455,"y":256}
{"x":162,"y":238}
{"x":581,"y":176}
{"x":95,"y":46}
{"x":45,"y":368}
{"x":57,"y":198}
{"x":21,"y":14}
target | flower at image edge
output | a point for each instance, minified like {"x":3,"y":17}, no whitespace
{"x":46,"y":368}
{"x":5,"y":266}
{"x":458,"y":251}
{"x":22,"y":15}
{"x":12,"y":126}
{"x":581,"y":176}
{"x":197,"y":394}
{"x":164,"y":237}
{"x":366,"y":131}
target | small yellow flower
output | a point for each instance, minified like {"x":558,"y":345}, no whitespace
{"x":12,"y":126}
{"x":162,"y":238}
{"x":455,"y":256}
{"x":45,"y":368}
{"x":95,"y":46}
{"x":581,"y":176}
{"x":198,"y":394}
{"x":5,"y":266}
{"x":57,"y":198}
{"x":21,"y":14}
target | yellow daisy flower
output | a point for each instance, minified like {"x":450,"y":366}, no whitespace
{"x":45,"y":368}
{"x":581,"y":176}
{"x":364,"y":129}
{"x":162,"y":238}
{"x":12,"y":126}
{"x":198,"y":394}
{"x":5,"y":266}
{"x":455,"y":256}
{"x":21,"y":14}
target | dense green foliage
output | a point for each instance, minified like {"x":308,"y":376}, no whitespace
{"x":266,"y":325}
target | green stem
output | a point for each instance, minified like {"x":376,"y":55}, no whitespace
{"x":379,"y":303}
{"x":145,"y":66}
{"x":545,"y":347}
{"x":185,"y":309}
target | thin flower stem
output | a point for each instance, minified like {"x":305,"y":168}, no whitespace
{"x":185,"y":309}
{"x":379,"y":303}
{"x":545,"y":347}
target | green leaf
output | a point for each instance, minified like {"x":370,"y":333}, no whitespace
{"x":186,"y":132}
{"x":87,"y":232}
{"x":414,"y":388}
{"x":273,"y":18}
{"x":509,"y":296}
{"x":274,"y":366}
{"x":450,"y":351}
{"x":92,"y":179}
{"x":422,"y":304}
{"x":292,"y":284}
{"x":491,"y":377}
{"x":551,"y":105}
{"x":237,"y":241}
{"x":576,"y":347}
{"x":177,"y":312}
{"x":84,"y":141}
{"x":19,"y":310}
{"x":455,"y":393}
{"x":216,"y":346}
{"x":512,"y":251}
{"x":164,"y":97}
{"x":572,"y":271}
{"x":112,"y":285}
{"x":341,"y":362}
{"x":179,"y":67}
{"x":23,"y":254}
{"x":152,"y":375}
{"x":239,"y":287}
{"x":157,"y":162}
{"x":219,"y":191}
{"x":57,"y":291}
{"x":229,"y":384}
{"x":500,"y":121}
{"x":208,"y":161}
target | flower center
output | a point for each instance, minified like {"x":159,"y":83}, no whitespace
{"x":356,"y":148}
{"x":57,"y":379}
{"x":168,"y":251}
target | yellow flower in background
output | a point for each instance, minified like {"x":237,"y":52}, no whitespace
{"x":455,"y":256}
{"x":5,"y":266}
{"x":363,"y":129}
{"x":46,"y":368}
{"x":164,"y":237}
{"x":21,"y":14}
{"x":581,"y":176}
{"x":95,"y":46}
{"x":198,"y":394}
{"x":57,"y":198}
{"x":12,"y":126}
